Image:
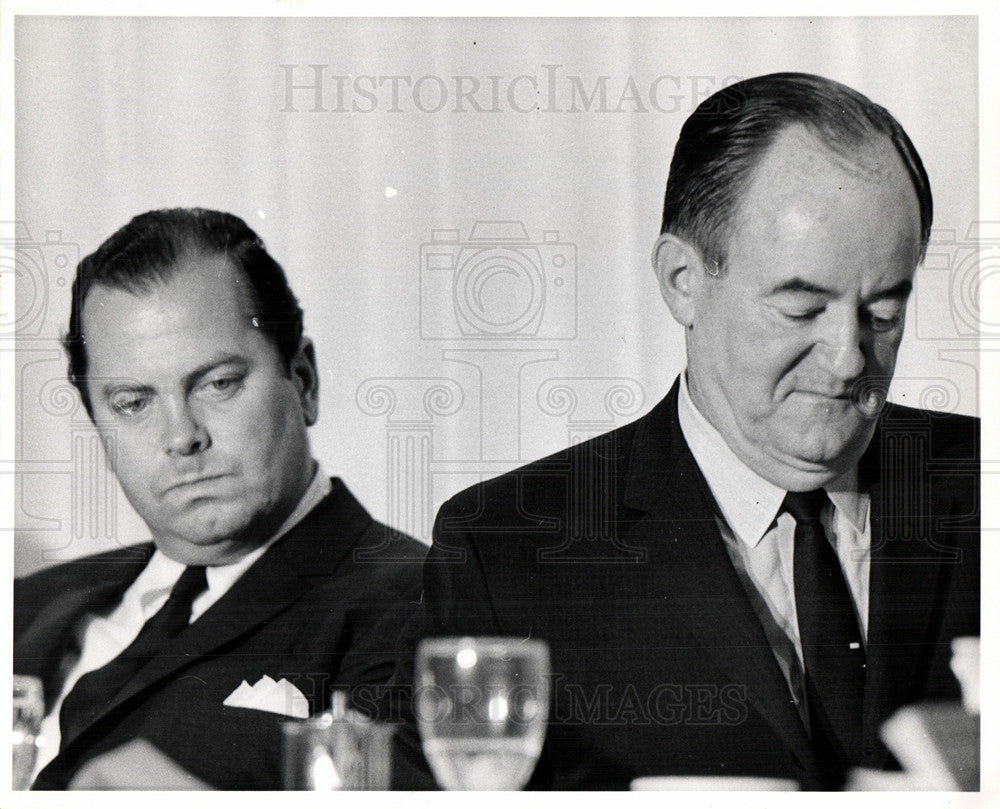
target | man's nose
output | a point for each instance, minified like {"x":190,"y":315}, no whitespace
{"x":184,"y":431}
{"x":843,"y":349}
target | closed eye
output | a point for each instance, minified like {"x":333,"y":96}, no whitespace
{"x":885,"y":316}
{"x":798,"y":303}
{"x":802,"y":316}
{"x":884,"y":324}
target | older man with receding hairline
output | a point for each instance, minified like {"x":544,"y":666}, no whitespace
{"x":751,"y":578}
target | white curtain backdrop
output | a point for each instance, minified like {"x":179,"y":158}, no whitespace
{"x":465,"y":209}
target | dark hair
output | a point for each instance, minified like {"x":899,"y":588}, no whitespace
{"x":725,"y":138}
{"x":147,"y":251}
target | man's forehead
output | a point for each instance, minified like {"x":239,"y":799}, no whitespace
{"x":213,"y":276}
{"x":801,"y":150}
{"x":801,"y":180}
{"x":814,"y":214}
{"x":199,"y":311}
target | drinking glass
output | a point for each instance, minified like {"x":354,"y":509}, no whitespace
{"x":29,"y":709}
{"x":481,"y":706}
{"x":340,"y":749}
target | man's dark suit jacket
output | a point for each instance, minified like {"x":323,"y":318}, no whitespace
{"x":611,"y":553}
{"x":321,"y":608}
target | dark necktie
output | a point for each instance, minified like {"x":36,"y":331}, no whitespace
{"x":832,"y":646}
{"x":94,"y":690}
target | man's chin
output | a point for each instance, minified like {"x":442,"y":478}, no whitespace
{"x":799,"y":457}
{"x":210,"y":549}
{"x":820,"y":458}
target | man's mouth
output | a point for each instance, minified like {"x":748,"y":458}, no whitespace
{"x":867,"y":399}
{"x":835,"y":396}
{"x":186,"y":484}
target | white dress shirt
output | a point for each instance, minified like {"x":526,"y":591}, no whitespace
{"x":760,"y":541}
{"x":102,"y":637}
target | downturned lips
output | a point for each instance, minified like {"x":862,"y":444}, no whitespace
{"x":867,"y":398}
{"x":191,"y":483}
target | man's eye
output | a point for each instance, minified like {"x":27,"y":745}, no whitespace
{"x":221,"y":387}
{"x":127,"y":404}
{"x":883,"y":324}
{"x":801,"y":315}
{"x":885,"y":318}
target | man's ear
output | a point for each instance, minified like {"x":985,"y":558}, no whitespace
{"x":306,"y":379}
{"x":679,"y":270}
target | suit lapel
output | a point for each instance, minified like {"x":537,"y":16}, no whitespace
{"x":261,"y":593}
{"x":313,"y":548}
{"x":907,"y":573}
{"x":39,"y":649}
{"x":699,"y":581}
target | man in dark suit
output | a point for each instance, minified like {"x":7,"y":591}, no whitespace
{"x":755,"y":575}
{"x":266,"y":584}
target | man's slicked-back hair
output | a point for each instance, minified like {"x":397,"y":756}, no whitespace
{"x":725,"y":138}
{"x":147,"y":251}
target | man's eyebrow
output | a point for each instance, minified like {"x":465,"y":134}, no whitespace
{"x":801,"y":285}
{"x":899,"y":291}
{"x":113,"y":386}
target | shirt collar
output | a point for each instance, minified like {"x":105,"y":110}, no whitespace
{"x":156,"y":579}
{"x":748,"y":502}
{"x":850,"y":502}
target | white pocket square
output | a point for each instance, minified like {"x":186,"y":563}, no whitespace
{"x":279,"y":697}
